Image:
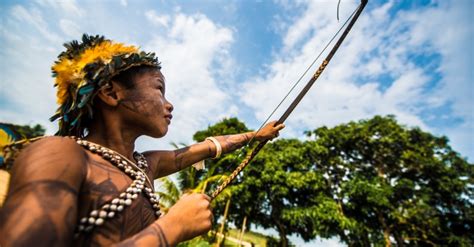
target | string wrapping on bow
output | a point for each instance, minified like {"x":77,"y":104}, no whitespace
{"x":353,"y":18}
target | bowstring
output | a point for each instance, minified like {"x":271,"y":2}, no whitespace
{"x":242,"y":149}
{"x":338,"y":3}
{"x":301,"y":77}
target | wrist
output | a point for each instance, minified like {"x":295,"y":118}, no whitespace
{"x":255,"y":135}
{"x":217,"y":146}
{"x":172,"y":232}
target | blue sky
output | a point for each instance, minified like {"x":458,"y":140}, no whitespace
{"x":413,"y":59}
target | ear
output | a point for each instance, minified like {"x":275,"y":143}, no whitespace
{"x":111,"y":93}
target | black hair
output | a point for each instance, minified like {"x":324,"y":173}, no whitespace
{"x":127,"y":77}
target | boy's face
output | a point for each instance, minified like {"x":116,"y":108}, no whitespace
{"x":146,"y":101}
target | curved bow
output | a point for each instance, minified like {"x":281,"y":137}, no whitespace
{"x":295,"y":102}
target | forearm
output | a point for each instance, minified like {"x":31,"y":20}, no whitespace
{"x":168,"y":162}
{"x":230,"y":143}
{"x":207,"y":149}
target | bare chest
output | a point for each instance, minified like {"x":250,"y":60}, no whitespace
{"x":103,"y":184}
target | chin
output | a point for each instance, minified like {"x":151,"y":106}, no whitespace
{"x":158,"y":133}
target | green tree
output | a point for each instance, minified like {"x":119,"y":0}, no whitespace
{"x":281,"y":190}
{"x":169,"y":193}
{"x":257,"y":194}
{"x":371,"y":182}
{"x":10,"y":133}
{"x":395,"y":182}
{"x":24,"y":131}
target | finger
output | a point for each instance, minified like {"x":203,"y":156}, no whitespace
{"x":187,"y":193}
{"x":206,"y":197}
{"x":273,"y":123}
{"x":206,"y":205}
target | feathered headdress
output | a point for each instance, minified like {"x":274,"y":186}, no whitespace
{"x":83,"y":69}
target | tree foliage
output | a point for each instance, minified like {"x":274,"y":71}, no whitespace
{"x":24,"y":131}
{"x":371,"y":182}
{"x":280,"y":190}
{"x":396,"y":183}
{"x":12,"y":133}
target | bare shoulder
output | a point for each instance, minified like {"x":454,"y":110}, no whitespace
{"x":58,"y":158}
{"x":43,"y":196}
{"x":54,"y":144}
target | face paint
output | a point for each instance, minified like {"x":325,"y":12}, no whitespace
{"x":147,"y":102}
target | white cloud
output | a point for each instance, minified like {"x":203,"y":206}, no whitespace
{"x":25,"y":78}
{"x":191,"y":48}
{"x":195,"y":52}
{"x":156,"y":19}
{"x":197,"y":63}
{"x":33,"y":17}
{"x":318,"y":15}
{"x":70,"y":28}
{"x":65,"y":7}
{"x":188,"y":52}
{"x":339,"y":95}
{"x":454,"y":41}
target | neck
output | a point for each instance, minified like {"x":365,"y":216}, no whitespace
{"x":110,"y":132}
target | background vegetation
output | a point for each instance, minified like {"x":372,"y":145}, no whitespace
{"x":370,"y":183}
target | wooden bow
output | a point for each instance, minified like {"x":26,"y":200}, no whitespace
{"x":295,"y":102}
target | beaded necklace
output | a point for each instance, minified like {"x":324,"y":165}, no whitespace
{"x":98,"y":216}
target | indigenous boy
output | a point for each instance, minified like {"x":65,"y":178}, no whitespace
{"x":89,"y":187}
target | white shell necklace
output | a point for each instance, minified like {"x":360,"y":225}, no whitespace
{"x":98,"y":216}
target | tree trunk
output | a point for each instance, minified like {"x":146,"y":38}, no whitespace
{"x":242,"y":231}
{"x":221,"y":231}
{"x":365,"y":239}
{"x":386,"y":230}
{"x":282,"y":233}
{"x":399,"y":239}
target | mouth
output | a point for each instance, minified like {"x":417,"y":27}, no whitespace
{"x":168,"y":118}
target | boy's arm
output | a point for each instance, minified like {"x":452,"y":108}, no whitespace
{"x":163,"y":163}
{"x":191,"y":216}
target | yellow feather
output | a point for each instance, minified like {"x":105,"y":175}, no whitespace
{"x":69,"y":72}
{"x":5,"y":138}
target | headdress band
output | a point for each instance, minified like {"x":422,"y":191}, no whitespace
{"x":83,"y":69}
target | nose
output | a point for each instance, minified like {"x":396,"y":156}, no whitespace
{"x":169,"y":106}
